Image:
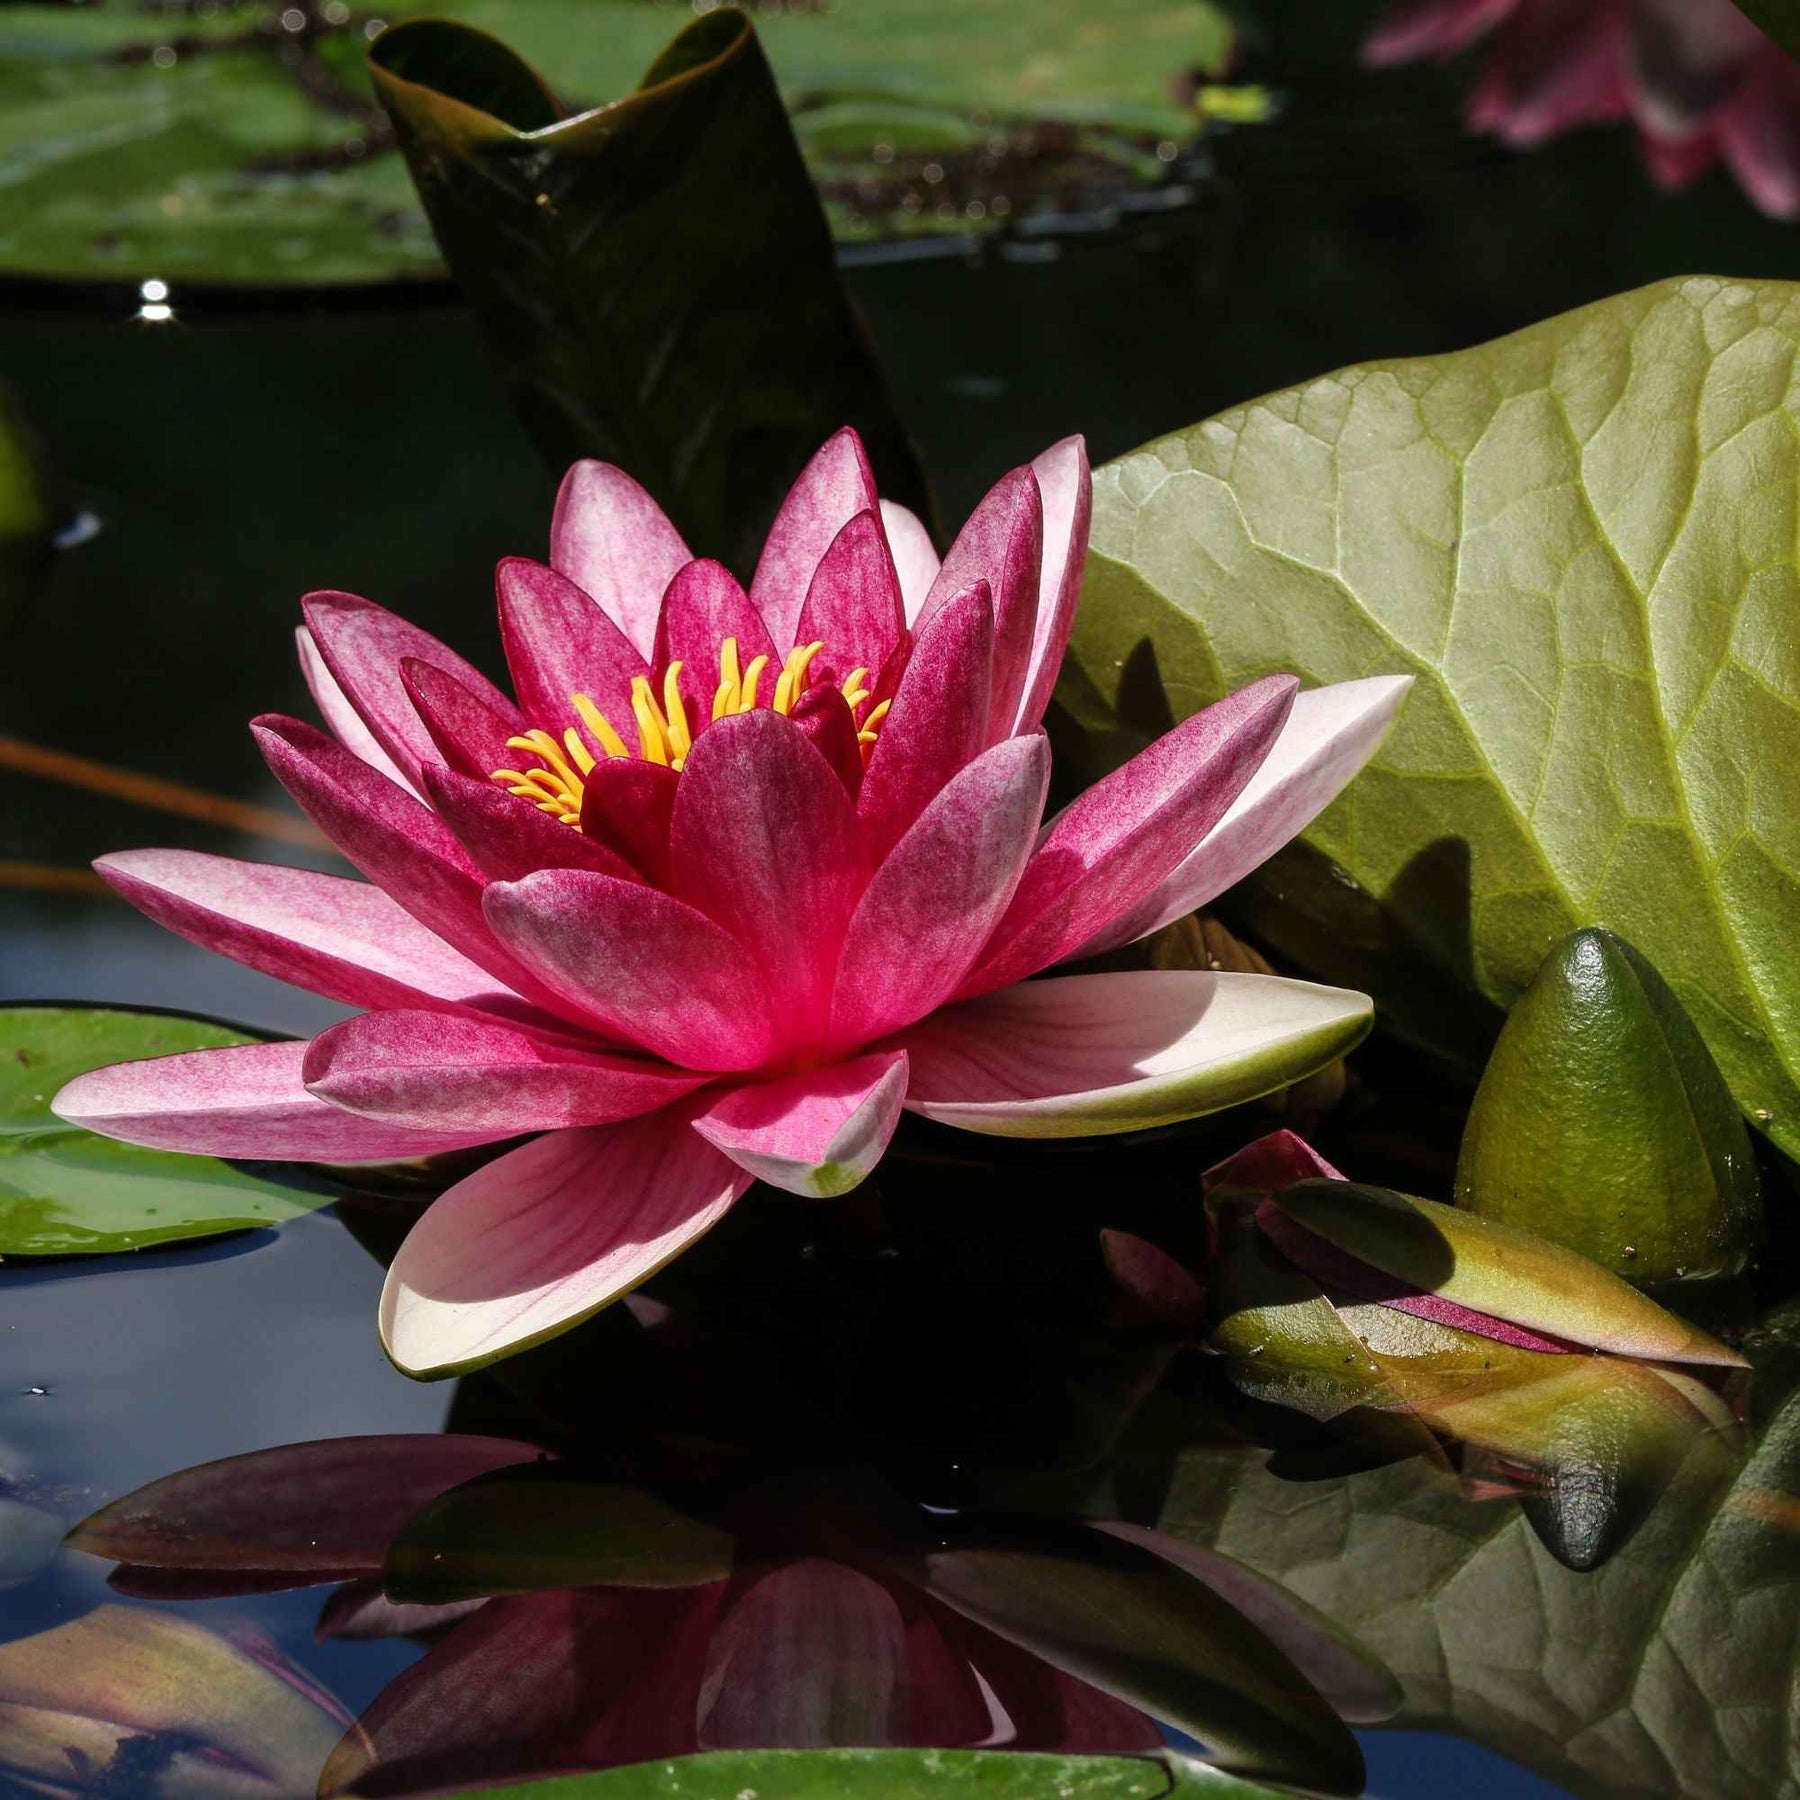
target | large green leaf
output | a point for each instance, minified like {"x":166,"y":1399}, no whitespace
{"x":1582,"y":541}
{"x":654,"y":278}
{"x":65,"y":1191}
{"x":895,"y":1775}
{"x":249,"y":152}
{"x":1670,"y":1669}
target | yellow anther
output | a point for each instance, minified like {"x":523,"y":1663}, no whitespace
{"x":791,"y":683}
{"x":752,"y":675}
{"x":876,"y":715}
{"x":599,"y":726}
{"x":854,"y":691}
{"x":728,"y":663}
{"x":681,"y":740}
{"x":582,"y":755}
{"x":653,"y":734}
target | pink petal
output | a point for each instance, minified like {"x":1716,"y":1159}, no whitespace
{"x":1439,"y":28}
{"x":1329,"y":735}
{"x":507,"y":837}
{"x":1003,"y":545}
{"x":434,"y":1072}
{"x":543,"y":1237}
{"x":319,"y":1509}
{"x":246,"y":1102}
{"x":1267,"y":1166}
{"x":363,"y":646}
{"x":938,"y":895}
{"x":765,"y":841}
{"x":325,"y":933}
{"x":627,"y":808}
{"x":1082,"y":1055}
{"x":811,"y":1656}
{"x":400,"y":844}
{"x":938,"y":723}
{"x":853,"y":605}
{"x":705,"y":606}
{"x":1118,"y":841}
{"x":1163,"y":1288}
{"x":1557,"y":64}
{"x":1760,"y":137}
{"x":558,"y":643}
{"x":612,"y":540}
{"x":1067,"y":488}
{"x":645,"y":965}
{"x":832,"y":489}
{"x":471,"y":736}
{"x":822,"y":716}
{"x":915,"y":560}
{"x":816,"y":1134}
{"x":341,"y":718}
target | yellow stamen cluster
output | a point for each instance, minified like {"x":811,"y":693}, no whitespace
{"x":663,"y":734}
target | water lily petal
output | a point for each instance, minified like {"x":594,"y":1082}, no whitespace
{"x":938,"y":895}
{"x":765,"y":841}
{"x":816,"y":1134}
{"x":1002,"y":544}
{"x":853,"y":606}
{"x":647,"y":966}
{"x":247,"y":1101}
{"x":1067,"y":489}
{"x":319,"y":1510}
{"x":822,"y":716}
{"x":326,"y":933}
{"x":627,"y":808}
{"x":938,"y":722}
{"x":469,"y":734}
{"x":1086,"y":1054}
{"x":810,"y":1656}
{"x":363,"y":646}
{"x":559,"y":643}
{"x":539,"y":1239}
{"x":915,"y":560}
{"x":399,"y":843}
{"x":1329,"y":735}
{"x":704,"y":606}
{"x":832,"y":489}
{"x":616,"y":544}
{"x":1105,"y":850}
{"x":341,"y":718}
{"x":1413,"y":28}
{"x":1267,"y":1166}
{"x":1497,"y":1270}
{"x":507,"y":837}
{"x":435,"y":1072}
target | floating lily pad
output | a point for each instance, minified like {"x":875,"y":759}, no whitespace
{"x":64,"y":1191}
{"x":239,"y":140}
{"x":1581,"y":541}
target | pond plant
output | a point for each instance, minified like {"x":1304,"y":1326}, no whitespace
{"x":1142,"y":1149}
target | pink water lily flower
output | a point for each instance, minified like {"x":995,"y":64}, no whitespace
{"x":1698,"y":80}
{"x":725,"y":884}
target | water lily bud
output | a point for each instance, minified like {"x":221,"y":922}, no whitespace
{"x":1603,"y":1123}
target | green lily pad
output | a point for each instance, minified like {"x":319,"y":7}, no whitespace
{"x":896,"y":1775}
{"x":1603,"y":1124}
{"x":1581,"y":540}
{"x":64,"y":1191}
{"x":204,"y":145}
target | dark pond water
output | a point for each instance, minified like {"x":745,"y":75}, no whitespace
{"x":946,"y":1337}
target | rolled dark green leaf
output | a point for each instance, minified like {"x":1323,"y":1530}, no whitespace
{"x":654,"y":277}
{"x":1603,"y":1123}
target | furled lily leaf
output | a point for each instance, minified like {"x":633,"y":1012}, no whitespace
{"x":65,"y":1191}
{"x":82,"y":1704}
{"x":898,"y":1775}
{"x":1496,"y":1270}
{"x":309,"y":1512}
{"x":1669,"y":1670}
{"x":624,"y":265}
{"x":1603,"y":1124}
{"x":1123,"y":1619}
{"x":530,"y":1528}
{"x":1581,"y":540}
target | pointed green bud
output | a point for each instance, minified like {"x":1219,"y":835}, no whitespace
{"x":1603,"y":1123}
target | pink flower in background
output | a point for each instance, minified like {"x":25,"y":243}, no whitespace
{"x":1696,"y":77}
{"x":726,"y":883}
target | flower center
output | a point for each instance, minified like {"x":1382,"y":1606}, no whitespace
{"x":663,"y":733}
